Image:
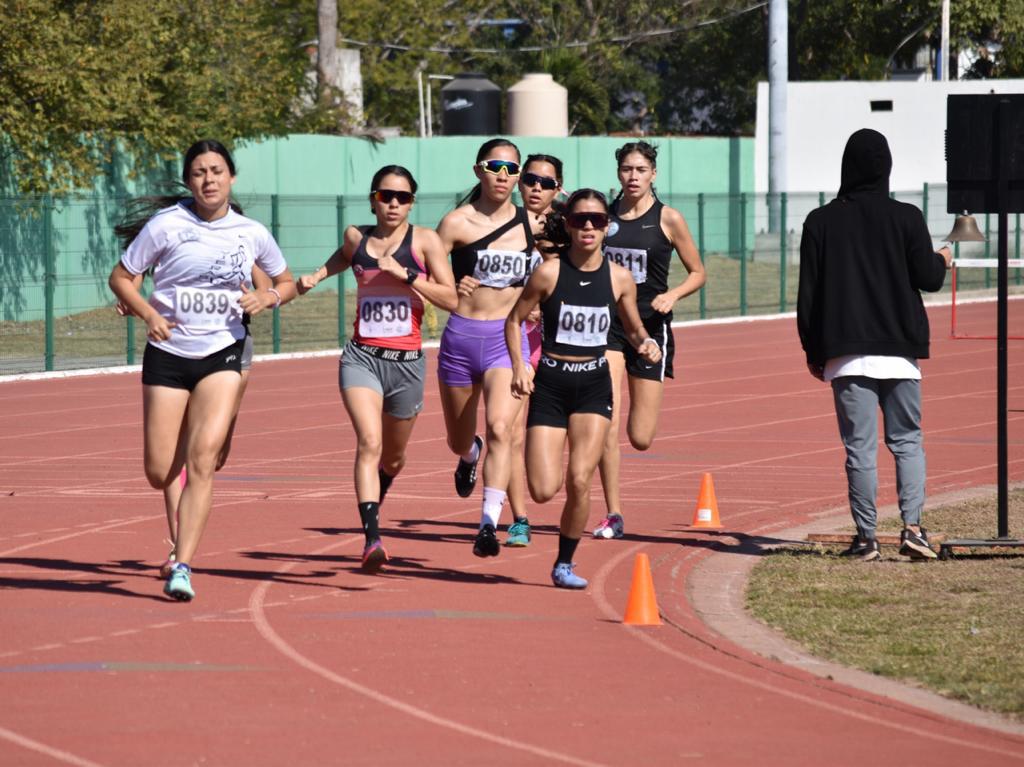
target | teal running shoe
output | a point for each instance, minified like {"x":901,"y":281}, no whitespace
{"x":179,"y":584}
{"x":519,"y":533}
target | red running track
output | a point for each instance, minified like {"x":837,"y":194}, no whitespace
{"x":289,"y":655}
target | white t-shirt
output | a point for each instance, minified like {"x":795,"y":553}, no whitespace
{"x":198,"y":270}
{"x":872,"y":366}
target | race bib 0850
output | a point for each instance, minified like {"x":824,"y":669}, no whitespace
{"x":583,"y":325}
{"x":385,"y":316}
{"x":634,"y":259}
{"x":205,"y":307}
{"x":500,"y":268}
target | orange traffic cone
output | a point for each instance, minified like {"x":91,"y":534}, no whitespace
{"x":706,"y":513}
{"x":642,"y":607}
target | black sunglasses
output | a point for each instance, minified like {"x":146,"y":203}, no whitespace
{"x":387,"y":195}
{"x":579,"y":220}
{"x":495,"y":167}
{"x":546,"y":182}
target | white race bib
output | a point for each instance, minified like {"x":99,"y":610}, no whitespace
{"x":500,"y":268}
{"x":634,"y":259}
{"x":205,"y":307}
{"x":536,"y":259}
{"x":583,"y":325}
{"x":385,"y":316}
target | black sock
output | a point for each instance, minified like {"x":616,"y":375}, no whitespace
{"x":566,"y":548}
{"x":385,"y":482}
{"x":369,"y":513}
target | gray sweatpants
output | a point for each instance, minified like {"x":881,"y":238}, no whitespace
{"x":857,"y":400}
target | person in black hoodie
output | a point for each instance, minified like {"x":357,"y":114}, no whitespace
{"x":864,"y":258}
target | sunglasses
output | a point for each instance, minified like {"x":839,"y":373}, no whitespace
{"x":495,"y":167}
{"x":532,"y":179}
{"x":579,"y":220}
{"x":387,"y":195}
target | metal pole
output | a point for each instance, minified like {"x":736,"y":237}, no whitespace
{"x":419,"y":90}
{"x":782,"y":253}
{"x":778,"y":75}
{"x":275,"y":229}
{"x":944,"y":45}
{"x":700,"y":250}
{"x":743,"y":253}
{"x":49,"y":280}
{"x":1002,"y":195}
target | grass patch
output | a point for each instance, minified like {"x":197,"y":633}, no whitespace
{"x":953,"y":626}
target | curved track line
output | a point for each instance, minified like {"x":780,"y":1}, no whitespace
{"x":605,"y":606}
{"x":263,"y":626}
{"x":42,"y":748}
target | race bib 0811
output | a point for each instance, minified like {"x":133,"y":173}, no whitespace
{"x":634,"y":259}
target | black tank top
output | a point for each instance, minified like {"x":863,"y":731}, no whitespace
{"x":641,"y":247}
{"x":576,"y":316}
{"x":496,"y":268}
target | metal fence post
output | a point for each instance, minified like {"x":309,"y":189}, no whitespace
{"x":339,"y":209}
{"x":821,"y":199}
{"x":702,"y":294}
{"x":783,"y":255}
{"x":49,"y":279}
{"x":988,"y":239}
{"x":743,"y":253}
{"x":924,"y":202}
{"x":275,"y":230}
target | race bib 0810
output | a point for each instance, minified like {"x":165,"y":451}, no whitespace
{"x":385,"y":316}
{"x":583,"y":325}
{"x":205,"y":307}
{"x":500,"y":268}
{"x":634,"y":259}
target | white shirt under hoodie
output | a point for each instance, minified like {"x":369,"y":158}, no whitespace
{"x":199,"y":268}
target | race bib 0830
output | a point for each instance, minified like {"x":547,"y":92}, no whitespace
{"x":385,"y":316}
{"x":634,"y":259}
{"x":500,"y":268}
{"x":205,"y":307}
{"x":583,"y":325}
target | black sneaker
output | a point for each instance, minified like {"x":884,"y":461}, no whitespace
{"x":865,"y":551}
{"x":486,"y":542}
{"x":465,"y":473}
{"x":916,"y":545}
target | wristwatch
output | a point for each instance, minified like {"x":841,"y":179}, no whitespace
{"x":410,"y":276}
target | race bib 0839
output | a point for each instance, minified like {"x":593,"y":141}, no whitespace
{"x":634,"y":259}
{"x":385,"y":316}
{"x":500,"y":268}
{"x":583,"y":325}
{"x":205,"y":307}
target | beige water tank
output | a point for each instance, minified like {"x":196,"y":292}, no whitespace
{"x":538,"y":106}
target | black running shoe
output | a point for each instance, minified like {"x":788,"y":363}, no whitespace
{"x":486,"y":542}
{"x":865,"y":551}
{"x":916,"y":545}
{"x":465,"y":473}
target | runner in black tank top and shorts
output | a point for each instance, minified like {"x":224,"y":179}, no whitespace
{"x":580,"y":294}
{"x":382,"y":371}
{"x":641,"y":237}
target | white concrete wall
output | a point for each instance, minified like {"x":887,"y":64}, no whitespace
{"x":822,"y":115}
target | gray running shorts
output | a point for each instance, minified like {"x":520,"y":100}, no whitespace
{"x":399,"y":382}
{"x":247,"y":352}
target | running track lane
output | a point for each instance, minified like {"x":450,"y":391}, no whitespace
{"x":289,"y":654}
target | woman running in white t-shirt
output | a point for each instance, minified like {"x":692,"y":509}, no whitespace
{"x":202,"y":252}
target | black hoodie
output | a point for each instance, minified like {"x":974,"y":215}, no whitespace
{"x":864,"y":258}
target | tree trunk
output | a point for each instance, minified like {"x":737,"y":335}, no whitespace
{"x":327,"y":41}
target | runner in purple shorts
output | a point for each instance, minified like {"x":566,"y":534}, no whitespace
{"x":490,"y":240}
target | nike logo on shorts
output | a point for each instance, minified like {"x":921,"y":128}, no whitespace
{"x":584,"y":284}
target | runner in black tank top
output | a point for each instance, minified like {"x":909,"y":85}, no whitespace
{"x":490,"y":241}
{"x":580,"y":294}
{"x":642,"y":235}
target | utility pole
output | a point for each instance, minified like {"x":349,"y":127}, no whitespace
{"x":778,"y":75}
{"x":944,"y":44}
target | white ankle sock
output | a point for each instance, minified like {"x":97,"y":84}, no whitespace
{"x":473,"y":454}
{"x":493,"y":501}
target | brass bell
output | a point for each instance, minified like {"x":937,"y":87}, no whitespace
{"x":965,"y":229}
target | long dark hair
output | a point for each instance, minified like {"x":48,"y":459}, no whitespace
{"x":555,"y":231}
{"x":485,"y":149}
{"x":393,"y":170}
{"x":649,"y":153}
{"x":139,"y":210}
{"x":551,"y":159}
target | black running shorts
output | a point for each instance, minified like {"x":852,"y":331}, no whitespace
{"x":161,"y":368}
{"x":562,"y":388}
{"x":659,"y":327}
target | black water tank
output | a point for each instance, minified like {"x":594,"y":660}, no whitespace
{"x":470,"y":106}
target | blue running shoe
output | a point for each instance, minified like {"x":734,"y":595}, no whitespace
{"x":179,"y":584}
{"x":564,"y":577}
{"x":519,"y":533}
